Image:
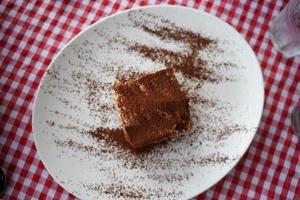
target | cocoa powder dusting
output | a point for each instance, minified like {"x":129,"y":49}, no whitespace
{"x":120,"y":190}
{"x":194,"y":40}
{"x":112,"y":136}
{"x":76,"y":146}
{"x":116,"y":190}
{"x":128,"y":76}
{"x":188,"y":64}
{"x":115,"y":137}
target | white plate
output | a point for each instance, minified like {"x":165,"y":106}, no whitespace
{"x":187,"y":166}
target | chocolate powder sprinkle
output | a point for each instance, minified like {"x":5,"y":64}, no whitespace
{"x":169,"y":31}
{"x":187,"y":64}
{"x":76,"y":146}
{"x":170,"y":177}
{"x":187,"y":61}
{"x":128,"y":76}
{"x":115,"y":137}
{"x":121,"y":190}
{"x":212,"y":159}
{"x":117,"y":191}
{"x":175,"y":33}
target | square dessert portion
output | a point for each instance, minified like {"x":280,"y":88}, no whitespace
{"x":152,"y":108}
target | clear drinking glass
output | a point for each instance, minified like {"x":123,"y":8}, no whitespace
{"x":285,"y":30}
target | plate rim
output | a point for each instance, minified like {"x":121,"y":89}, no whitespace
{"x":75,"y":37}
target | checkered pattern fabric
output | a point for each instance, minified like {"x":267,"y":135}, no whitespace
{"x":32,"y":32}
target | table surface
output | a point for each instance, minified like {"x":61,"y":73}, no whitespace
{"x":31,"y":33}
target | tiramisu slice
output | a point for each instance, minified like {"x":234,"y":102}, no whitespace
{"x":152,"y":108}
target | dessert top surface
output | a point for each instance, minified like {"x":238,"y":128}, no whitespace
{"x":150,"y":89}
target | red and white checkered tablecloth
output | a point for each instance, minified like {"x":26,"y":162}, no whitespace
{"x":32,"y":32}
